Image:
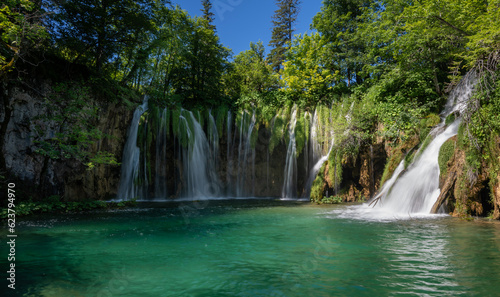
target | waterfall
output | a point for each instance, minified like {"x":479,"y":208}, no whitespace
{"x":245,"y":151}
{"x":417,"y":189}
{"x":290,"y":182}
{"x":200,"y":175}
{"x":314,"y":172}
{"x":130,"y":159}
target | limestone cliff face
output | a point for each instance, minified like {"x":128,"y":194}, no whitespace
{"x":38,"y":176}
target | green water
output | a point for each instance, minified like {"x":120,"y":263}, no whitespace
{"x":243,"y":248}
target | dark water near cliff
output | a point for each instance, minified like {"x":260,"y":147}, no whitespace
{"x":252,"y":248}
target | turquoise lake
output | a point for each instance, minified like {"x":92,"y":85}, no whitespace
{"x":253,"y":248}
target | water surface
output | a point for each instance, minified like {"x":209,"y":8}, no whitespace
{"x":253,"y":248}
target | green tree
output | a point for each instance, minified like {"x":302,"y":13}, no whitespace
{"x":21,"y":32}
{"x":304,"y":73}
{"x":208,"y":15}
{"x":96,"y":33}
{"x":338,"y":22}
{"x":188,"y":61}
{"x":282,"y":33}
{"x":252,"y":72}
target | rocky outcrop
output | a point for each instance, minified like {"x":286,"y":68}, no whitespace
{"x":466,"y":192}
{"x":39,"y":176}
{"x":361,"y":175}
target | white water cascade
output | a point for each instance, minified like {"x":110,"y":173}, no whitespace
{"x":200,"y":176}
{"x":416,"y":190}
{"x":130,"y":160}
{"x":289,"y":189}
{"x":246,"y":155}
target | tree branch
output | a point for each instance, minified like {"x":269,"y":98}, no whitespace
{"x":451,"y":26}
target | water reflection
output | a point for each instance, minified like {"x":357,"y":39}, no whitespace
{"x":418,"y":259}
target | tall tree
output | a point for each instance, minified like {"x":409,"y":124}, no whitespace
{"x":339,"y":22}
{"x":208,"y":15}
{"x":283,"y":22}
{"x":97,"y":32}
{"x":252,"y":74}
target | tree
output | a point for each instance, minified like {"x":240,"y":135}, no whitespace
{"x":252,"y":72}
{"x":96,"y":33}
{"x":338,"y":22}
{"x":304,"y":73}
{"x":282,"y":33}
{"x":208,"y":15}
{"x":21,"y":32}
{"x":187,"y":61}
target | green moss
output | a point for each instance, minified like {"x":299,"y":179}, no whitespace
{"x":391,"y":165}
{"x":254,"y":136}
{"x":307,"y":125}
{"x":176,"y":114}
{"x":428,"y":139}
{"x":445,"y":153}
{"x":335,"y":167}
{"x":432,"y":120}
{"x":277,"y":133}
{"x":318,"y":185}
{"x":409,"y":158}
{"x":220,"y":120}
{"x":450,"y":119}
{"x":300,"y":135}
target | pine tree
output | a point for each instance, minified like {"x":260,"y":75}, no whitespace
{"x":283,"y":21}
{"x":208,"y":15}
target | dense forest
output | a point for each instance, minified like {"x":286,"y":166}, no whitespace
{"x":374,"y":71}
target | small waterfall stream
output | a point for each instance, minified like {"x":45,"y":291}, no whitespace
{"x":289,"y":185}
{"x":417,"y":189}
{"x":130,"y":160}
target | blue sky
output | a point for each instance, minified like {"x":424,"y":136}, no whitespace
{"x":240,"y":22}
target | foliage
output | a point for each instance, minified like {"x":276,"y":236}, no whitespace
{"x":304,"y":73}
{"x":54,"y":205}
{"x":72,"y":131}
{"x":338,"y":23}
{"x":21,"y":32}
{"x":331,"y":200}
{"x":250,"y":74}
{"x":98,"y":34}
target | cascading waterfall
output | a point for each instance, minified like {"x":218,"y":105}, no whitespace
{"x":290,"y":182}
{"x":245,"y":151}
{"x":193,"y":167}
{"x":130,"y":160}
{"x":200,"y":176}
{"x":417,"y":189}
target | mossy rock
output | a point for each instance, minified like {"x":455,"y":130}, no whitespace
{"x":445,"y":154}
